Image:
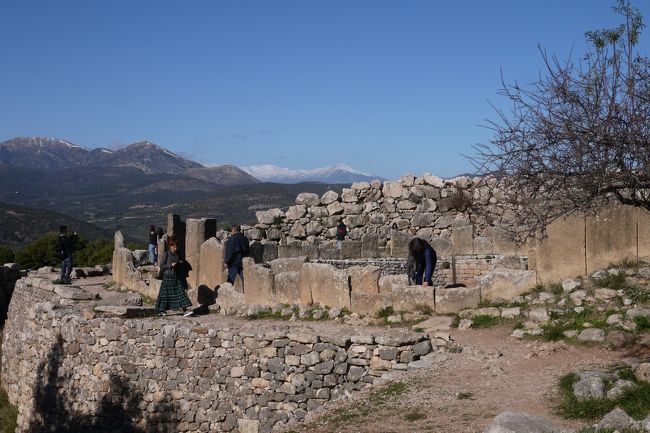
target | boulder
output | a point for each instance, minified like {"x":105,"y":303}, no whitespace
{"x":269,"y":216}
{"x":505,"y":284}
{"x":519,"y":422}
{"x":229,"y":300}
{"x":329,"y":197}
{"x":296,"y":212}
{"x":308,"y":198}
{"x":617,"y":419}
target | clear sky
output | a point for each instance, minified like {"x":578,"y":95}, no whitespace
{"x":388,"y":87}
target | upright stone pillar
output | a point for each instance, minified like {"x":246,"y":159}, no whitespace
{"x":211,"y":263}
{"x":177,"y":228}
{"x":197,"y":232}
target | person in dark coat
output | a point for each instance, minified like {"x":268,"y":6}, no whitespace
{"x":341,"y":232}
{"x":153,"y":245}
{"x":237,"y":247}
{"x":174,"y":270}
{"x":421,"y":261}
{"x":63,"y":250}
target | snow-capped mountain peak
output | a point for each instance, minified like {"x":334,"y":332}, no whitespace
{"x":339,"y":173}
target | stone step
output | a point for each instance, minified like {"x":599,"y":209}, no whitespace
{"x":125,"y":310}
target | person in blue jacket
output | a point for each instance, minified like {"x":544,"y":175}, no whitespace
{"x":424,"y":257}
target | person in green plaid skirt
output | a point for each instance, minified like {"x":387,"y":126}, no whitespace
{"x":174,"y":270}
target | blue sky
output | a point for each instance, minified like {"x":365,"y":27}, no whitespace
{"x":387,"y":87}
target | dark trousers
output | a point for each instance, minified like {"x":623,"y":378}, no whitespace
{"x":66,"y":268}
{"x":233,"y":271}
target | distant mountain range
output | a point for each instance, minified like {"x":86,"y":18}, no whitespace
{"x":56,"y":181}
{"x":53,"y":154}
{"x":339,"y":173}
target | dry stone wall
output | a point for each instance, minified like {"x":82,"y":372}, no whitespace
{"x":382,"y":217}
{"x":69,"y":370}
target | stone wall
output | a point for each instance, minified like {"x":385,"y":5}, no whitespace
{"x":68,"y":370}
{"x":382,"y":217}
{"x":360,"y":289}
{"x":581,"y":244}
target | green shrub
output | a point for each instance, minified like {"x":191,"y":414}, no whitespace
{"x":642,"y":323}
{"x":636,"y":294}
{"x":485,"y":321}
{"x":8,"y":414}
{"x":616,"y":282}
{"x":553,"y":331}
{"x":445,"y":265}
{"x":414,"y":416}
{"x":97,"y":252}
{"x":385,"y":312}
{"x":6,"y":255}
{"x":38,"y":253}
{"x":634,"y":401}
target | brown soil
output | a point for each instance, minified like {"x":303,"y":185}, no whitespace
{"x":464,"y":391}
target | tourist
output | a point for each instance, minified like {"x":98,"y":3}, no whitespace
{"x":341,"y":232}
{"x":174,"y":270}
{"x":423,"y":258}
{"x":237,"y":248}
{"x":153,"y":245}
{"x":63,"y":250}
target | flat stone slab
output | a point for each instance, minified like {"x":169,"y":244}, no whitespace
{"x":125,"y":310}
{"x":74,"y":293}
{"x":435,"y":323}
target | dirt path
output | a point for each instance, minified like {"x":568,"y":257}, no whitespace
{"x":466,"y":390}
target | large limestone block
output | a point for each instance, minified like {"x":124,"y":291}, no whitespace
{"x":369,"y":245}
{"x":296,"y":212}
{"x":74,"y":293}
{"x":410,"y":297}
{"x":329,"y":197}
{"x":442,"y":246}
{"x":351,"y":249}
{"x":394,"y":190}
{"x":504,"y":284}
{"x":610,"y":237}
{"x":286,"y":287}
{"x":289,"y":250}
{"x":287,"y":264}
{"x":364,"y":279}
{"x":335,"y":208}
{"x":643,"y":233}
{"x":364,"y":303}
{"x":562,"y":254}
{"x":453,"y":300}
{"x":349,"y":195}
{"x":197,"y":231}
{"x":356,"y":220}
{"x":229,"y":300}
{"x":308,"y":198}
{"x":269,"y":216}
{"x":324,"y":284}
{"x":399,"y":243}
{"x":462,"y":239}
{"x":258,"y":284}
{"x":211,"y":263}
{"x":503,"y":242}
{"x":387,"y":283}
{"x":298,"y":231}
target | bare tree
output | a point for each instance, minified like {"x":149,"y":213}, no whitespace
{"x":579,"y":136}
